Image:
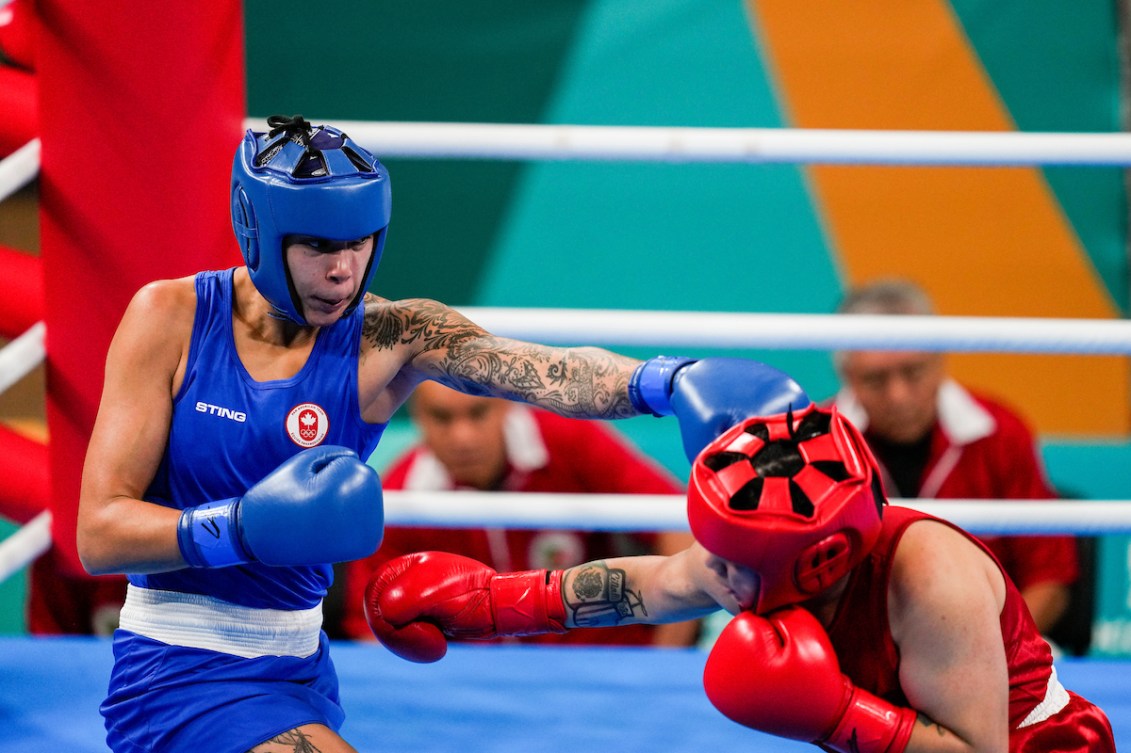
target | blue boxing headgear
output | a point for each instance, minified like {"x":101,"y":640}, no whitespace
{"x":305,"y":180}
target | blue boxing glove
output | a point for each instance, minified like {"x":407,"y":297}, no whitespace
{"x":711,"y":395}
{"x":320,"y":506}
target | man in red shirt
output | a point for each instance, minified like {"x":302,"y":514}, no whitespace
{"x":935,"y":439}
{"x":488,"y":444}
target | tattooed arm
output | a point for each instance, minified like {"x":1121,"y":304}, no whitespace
{"x":647,"y":589}
{"x":436,"y":342}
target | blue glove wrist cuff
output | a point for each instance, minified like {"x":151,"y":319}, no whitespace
{"x":208,"y":535}
{"x":650,"y":388}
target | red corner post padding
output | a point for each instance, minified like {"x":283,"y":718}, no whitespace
{"x":21,"y":292}
{"x":17,"y":79}
{"x":23,"y":466}
{"x":141,"y":109}
{"x":17,"y":103}
{"x":18,"y":33}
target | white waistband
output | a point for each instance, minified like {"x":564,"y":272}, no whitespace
{"x":197,"y":621}
{"x":1056,"y":698}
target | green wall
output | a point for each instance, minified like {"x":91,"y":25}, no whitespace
{"x":13,"y":594}
{"x":417,"y":61}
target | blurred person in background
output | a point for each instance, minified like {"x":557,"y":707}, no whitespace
{"x":936,"y":439}
{"x":479,"y":443}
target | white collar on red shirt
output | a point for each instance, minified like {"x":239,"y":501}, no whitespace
{"x":526,"y":451}
{"x":961,"y":417}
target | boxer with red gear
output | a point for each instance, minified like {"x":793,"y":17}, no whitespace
{"x":797,"y":502}
{"x":855,"y":618}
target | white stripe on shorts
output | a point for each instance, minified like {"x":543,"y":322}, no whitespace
{"x":197,"y":621}
{"x":1056,"y":698}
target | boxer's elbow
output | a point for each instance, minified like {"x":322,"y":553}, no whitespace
{"x":99,"y":536}
{"x":92,"y":551}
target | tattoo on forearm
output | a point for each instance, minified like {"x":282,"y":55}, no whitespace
{"x":582,"y":382}
{"x":926,"y":721}
{"x":598,"y":596}
{"x":296,"y":739}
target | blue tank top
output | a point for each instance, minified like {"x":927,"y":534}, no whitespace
{"x":228,"y":431}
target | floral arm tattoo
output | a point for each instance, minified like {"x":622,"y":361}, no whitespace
{"x":597,"y":596}
{"x":578,"y":382}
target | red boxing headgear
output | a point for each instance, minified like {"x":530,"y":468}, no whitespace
{"x":794,"y":497}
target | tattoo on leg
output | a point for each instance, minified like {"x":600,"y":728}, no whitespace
{"x":598,"y":596}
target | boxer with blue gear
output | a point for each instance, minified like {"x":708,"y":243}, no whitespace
{"x":217,"y":387}
{"x":271,"y":175}
{"x":711,"y":395}
{"x":325,"y":492}
{"x":259,"y":448}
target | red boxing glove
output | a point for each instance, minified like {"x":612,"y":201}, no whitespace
{"x":416,"y":602}
{"x":779,"y":674}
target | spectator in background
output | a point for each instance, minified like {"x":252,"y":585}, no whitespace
{"x":489,"y":444}
{"x":936,"y":439}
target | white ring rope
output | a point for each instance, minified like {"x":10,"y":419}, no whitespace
{"x":20,"y":356}
{"x":650,"y":512}
{"x":19,"y":168}
{"x":667,"y":512}
{"x":18,"y":550}
{"x":17,"y":359}
{"x":733,"y":145}
{"x":806,"y":331}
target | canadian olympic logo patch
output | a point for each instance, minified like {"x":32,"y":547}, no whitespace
{"x":307,"y":424}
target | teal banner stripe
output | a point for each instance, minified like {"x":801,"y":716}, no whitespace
{"x":442,"y":60}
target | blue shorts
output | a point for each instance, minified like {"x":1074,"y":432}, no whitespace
{"x":182,"y":700}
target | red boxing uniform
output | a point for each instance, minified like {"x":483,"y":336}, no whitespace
{"x":1043,"y":716}
{"x":545,"y":453}
{"x":982,"y":450}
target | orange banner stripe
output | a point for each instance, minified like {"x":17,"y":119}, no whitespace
{"x":984,"y":241}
